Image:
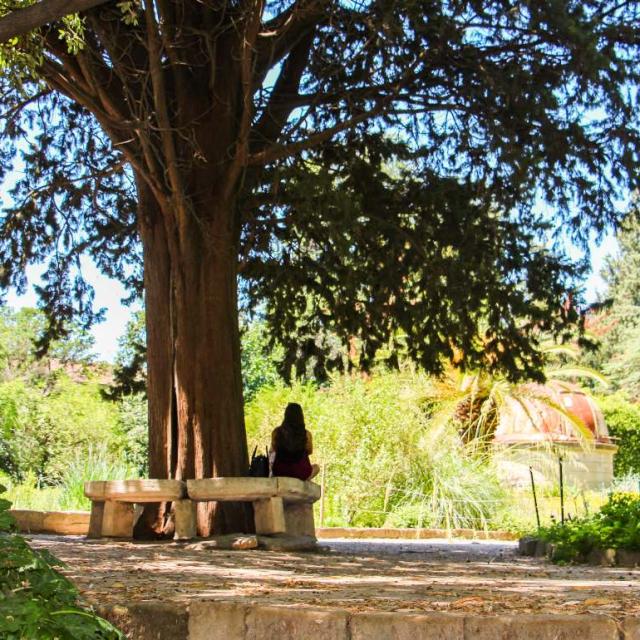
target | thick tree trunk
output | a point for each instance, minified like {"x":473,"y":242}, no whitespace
{"x":160,"y":393}
{"x":208,"y":383}
{"x":196,"y":418}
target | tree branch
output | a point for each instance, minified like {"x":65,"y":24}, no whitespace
{"x":249,"y":36}
{"x":175,"y":186}
{"x":282,"y":101}
{"x":277,"y":152}
{"x":15,"y":110}
{"x":280,"y":35}
{"x":118,"y":131}
{"x":21,"y":21}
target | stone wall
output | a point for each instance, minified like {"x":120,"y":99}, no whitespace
{"x":587,"y":468}
{"x":214,"y":620}
{"x":66,"y":523}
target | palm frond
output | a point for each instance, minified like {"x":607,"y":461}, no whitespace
{"x":578,"y":371}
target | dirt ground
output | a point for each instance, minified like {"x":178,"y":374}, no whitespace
{"x":410,"y":576}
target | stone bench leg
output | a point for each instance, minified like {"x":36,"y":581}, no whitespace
{"x":298,"y":517}
{"x":269,"y":516}
{"x":185,"y":519}
{"x":95,"y":520}
{"x":117,"y":520}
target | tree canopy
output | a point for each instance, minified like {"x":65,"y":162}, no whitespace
{"x":368,"y":170}
{"x":482,"y":107}
{"x":617,"y":325}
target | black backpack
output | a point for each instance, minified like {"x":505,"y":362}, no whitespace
{"x":259,"y":467}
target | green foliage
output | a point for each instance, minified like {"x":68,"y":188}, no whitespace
{"x":85,"y":466}
{"x":132,"y":432}
{"x":29,"y":493}
{"x":385,"y":461}
{"x":130,"y":371}
{"x":68,"y":492}
{"x":623,"y":421}
{"x":615,"y":526}
{"x":258,"y":361}
{"x":40,"y":425}
{"x":622,"y":270}
{"x":36,"y":601}
{"x":486,"y":107}
{"x":56,"y":428}
{"x":573,"y":540}
{"x":20,"y":334}
{"x":7,"y":522}
{"x":618,"y":326}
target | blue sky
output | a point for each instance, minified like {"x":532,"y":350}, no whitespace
{"x":109,"y":294}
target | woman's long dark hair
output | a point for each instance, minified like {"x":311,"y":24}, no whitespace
{"x":292,"y":435}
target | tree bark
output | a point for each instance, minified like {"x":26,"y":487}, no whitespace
{"x":208,"y":383}
{"x":196,"y":417}
{"x":160,"y":393}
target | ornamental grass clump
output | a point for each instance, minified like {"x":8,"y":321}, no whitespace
{"x":35,"y":600}
{"x":388,"y":460}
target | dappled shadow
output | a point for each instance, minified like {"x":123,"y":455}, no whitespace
{"x":441,"y":578}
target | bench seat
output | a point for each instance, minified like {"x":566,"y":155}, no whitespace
{"x":136,"y":491}
{"x":252,"y":489}
{"x":280,"y":505}
{"x":112,"y":511}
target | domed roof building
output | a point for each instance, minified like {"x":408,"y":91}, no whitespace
{"x":549,"y":421}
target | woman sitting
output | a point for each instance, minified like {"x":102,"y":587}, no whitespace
{"x":291,"y":445}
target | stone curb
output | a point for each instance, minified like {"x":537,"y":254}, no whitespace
{"x":216,"y":620}
{"x":77,"y":523}
{"x":412,"y":534}
{"x":533,"y":546}
{"x":66,"y":523}
{"x":148,"y":620}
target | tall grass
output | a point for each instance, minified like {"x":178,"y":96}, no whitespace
{"x":386,"y":461}
{"x":68,"y":494}
{"x":96,"y":464}
{"x":29,"y":494}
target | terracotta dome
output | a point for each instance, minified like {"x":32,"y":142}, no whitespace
{"x":532,"y":418}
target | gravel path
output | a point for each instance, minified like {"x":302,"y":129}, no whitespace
{"x":440,"y":549}
{"x":357,"y":575}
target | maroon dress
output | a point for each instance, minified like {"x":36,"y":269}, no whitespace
{"x":297,"y":468}
{"x":291,"y":464}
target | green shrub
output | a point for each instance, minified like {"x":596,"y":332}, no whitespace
{"x":132,"y":432}
{"x":35,"y":600}
{"x":628,"y":482}
{"x":40,"y":425}
{"x":94,"y":464}
{"x":259,"y":368}
{"x":623,"y":421}
{"x":615,"y":526}
{"x":29,"y":494}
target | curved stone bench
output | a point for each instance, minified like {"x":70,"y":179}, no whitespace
{"x":280,"y":505}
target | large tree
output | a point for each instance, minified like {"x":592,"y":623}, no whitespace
{"x":618,"y":324}
{"x":369,"y":169}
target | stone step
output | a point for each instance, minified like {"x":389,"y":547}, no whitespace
{"x":226,"y":620}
